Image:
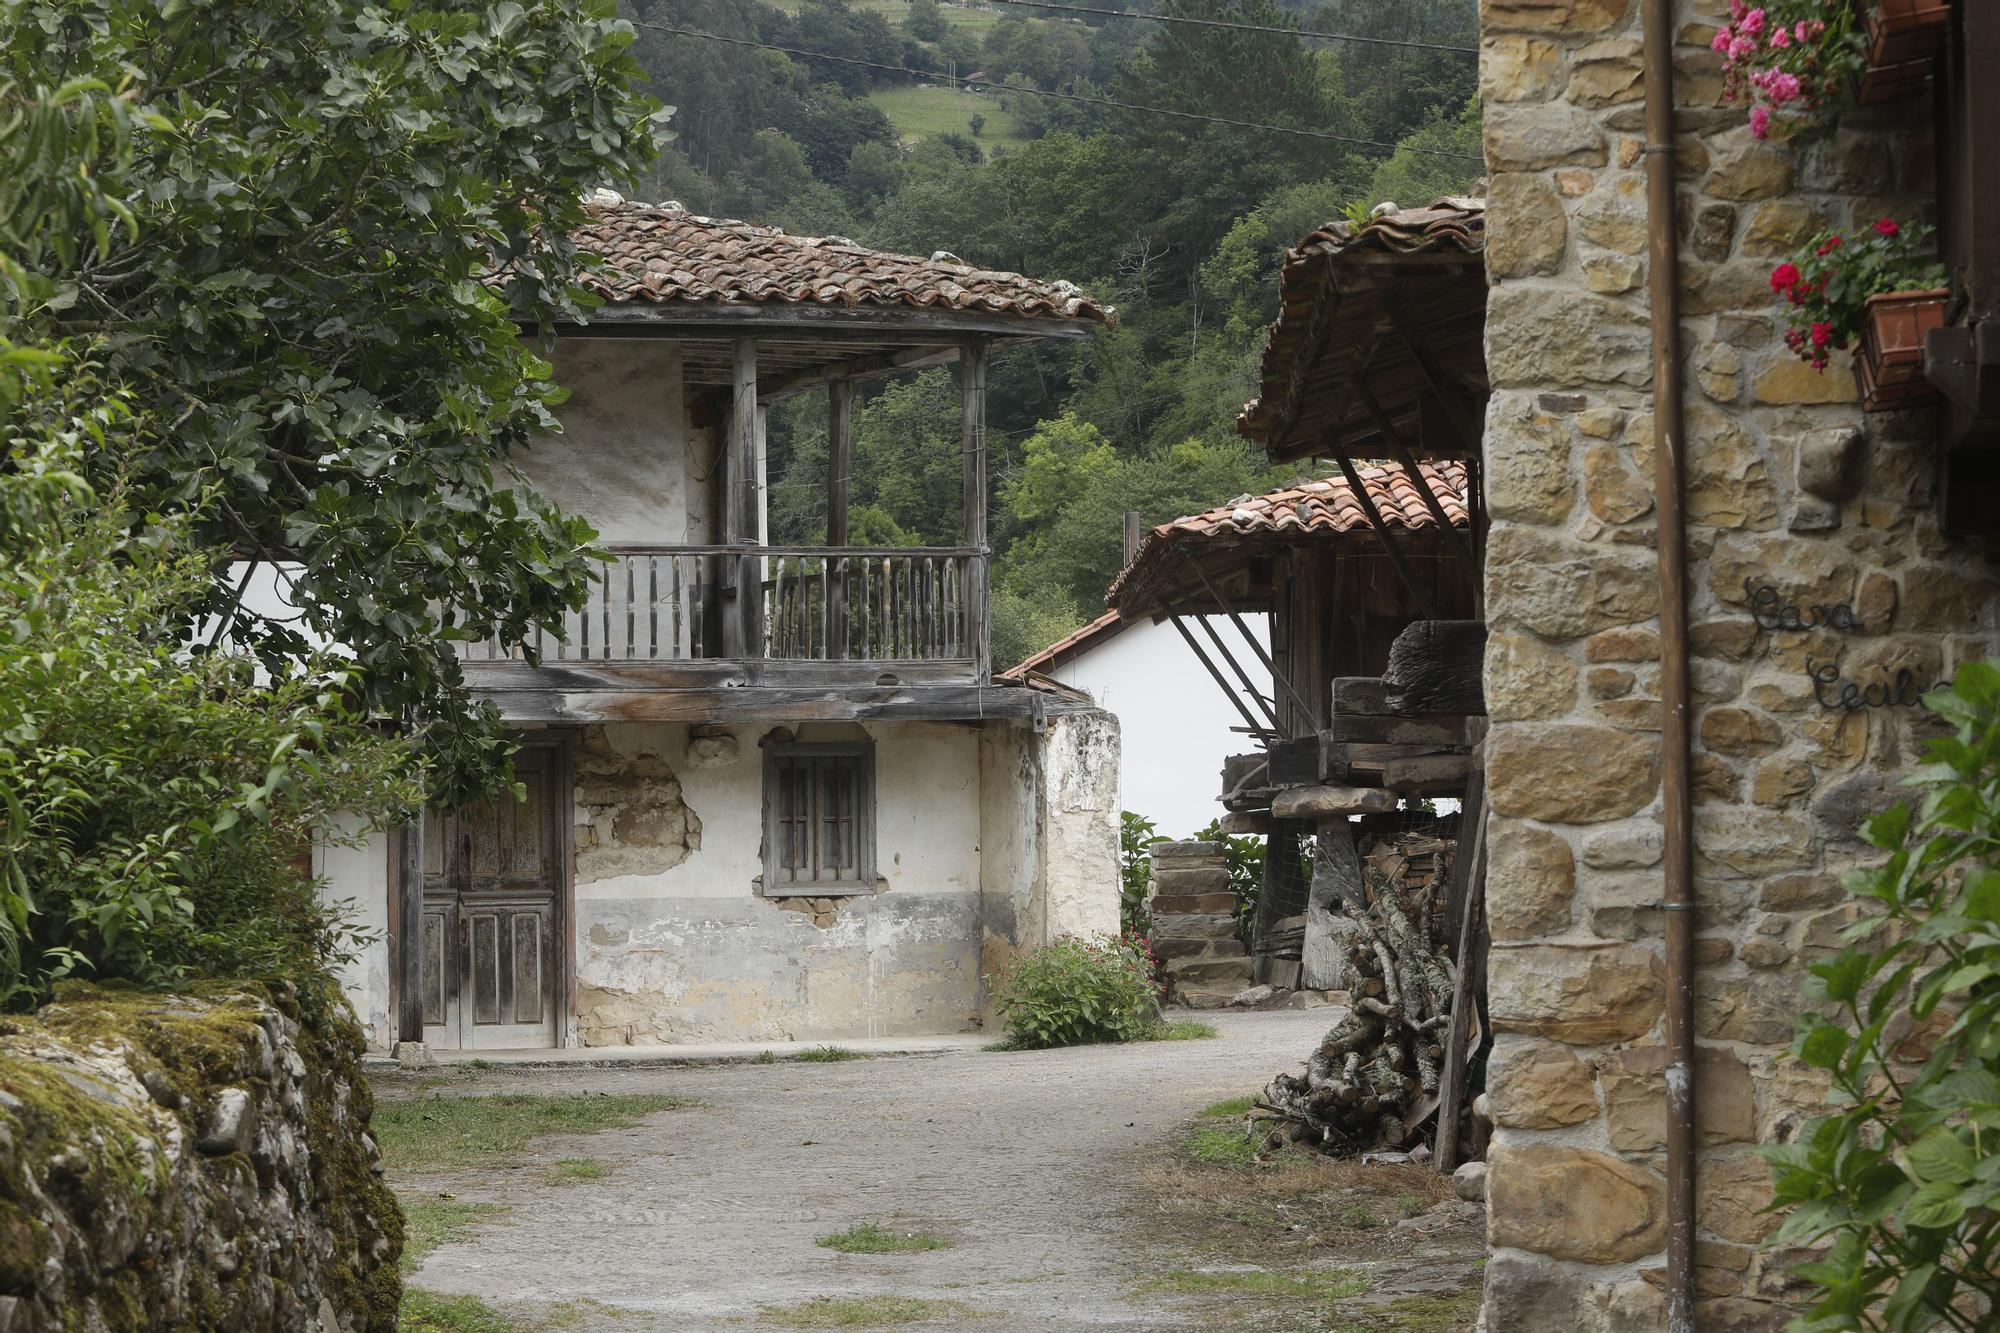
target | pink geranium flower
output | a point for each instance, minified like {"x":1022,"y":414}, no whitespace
{"x":1760,"y":121}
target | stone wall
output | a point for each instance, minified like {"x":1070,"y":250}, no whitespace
{"x":190,"y":1164}
{"x":1194,"y":925}
{"x":1787,"y":483}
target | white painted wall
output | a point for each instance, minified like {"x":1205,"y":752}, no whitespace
{"x":356,"y":879}
{"x":1174,"y":717}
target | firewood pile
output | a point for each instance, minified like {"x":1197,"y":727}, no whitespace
{"x":1373,"y":1081}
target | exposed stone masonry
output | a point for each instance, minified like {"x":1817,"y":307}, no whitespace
{"x":1787,"y":484}
{"x":1194,"y":924}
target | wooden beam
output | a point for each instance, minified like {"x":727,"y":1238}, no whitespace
{"x":410,"y":930}
{"x":1429,"y":774}
{"x":856,"y":368}
{"x":1400,"y":729}
{"x":841,"y":703}
{"x":1325,"y":802}
{"x":828,"y":323}
{"x":1400,"y":448}
{"x":742,"y":629}
{"x":1215,"y":674}
{"x":839,"y":465}
{"x":1435,"y":377}
{"x":1390,"y":546}
{"x":972,"y":447}
{"x":1222,"y":604}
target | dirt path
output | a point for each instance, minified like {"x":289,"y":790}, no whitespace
{"x":1041,"y":1169}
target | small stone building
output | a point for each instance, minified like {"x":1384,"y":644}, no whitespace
{"x":1792,"y":499}
{"x":773,"y":791}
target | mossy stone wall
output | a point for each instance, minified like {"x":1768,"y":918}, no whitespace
{"x":191,"y":1162}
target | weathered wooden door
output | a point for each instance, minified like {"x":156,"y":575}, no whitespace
{"x":492,"y":878}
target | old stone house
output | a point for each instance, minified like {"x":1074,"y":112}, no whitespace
{"x":773,"y":792}
{"x":1674,"y":767}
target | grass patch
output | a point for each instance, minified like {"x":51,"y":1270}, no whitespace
{"x":1230,"y":1109}
{"x":826,"y":1055}
{"x":436,"y":1133}
{"x":429,"y":1223}
{"x":1220,"y":1145}
{"x":1421,"y":1312}
{"x":1358,"y":1218}
{"x":918,"y":112}
{"x":765,"y":1058}
{"x":1314,"y":1285}
{"x":570,"y":1170}
{"x":427,"y":1312}
{"x":872,"y":1238}
{"x":1184,"y":1029}
{"x":864,"y":1312}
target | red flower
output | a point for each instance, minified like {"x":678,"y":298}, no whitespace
{"x":1822,"y":333}
{"x":1831,"y":244}
{"x":1886,"y":227}
{"x":1784,"y":276}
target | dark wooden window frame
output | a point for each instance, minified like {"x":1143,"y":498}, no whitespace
{"x":778,"y":881}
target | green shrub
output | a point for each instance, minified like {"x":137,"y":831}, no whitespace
{"x":1902,"y":1182}
{"x":1136,"y":836}
{"x":1076,"y":991}
{"x":153,"y":794}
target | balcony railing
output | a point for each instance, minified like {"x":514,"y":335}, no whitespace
{"x":811,"y":604}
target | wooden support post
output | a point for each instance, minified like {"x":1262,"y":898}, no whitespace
{"x":1278,"y":888}
{"x":1390,"y":546}
{"x":410,"y":930}
{"x":839,"y":464}
{"x":743,"y":623}
{"x":972,"y":398}
{"x":1132,"y":534}
{"x":1469,"y":890}
{"x":1336,"y":878}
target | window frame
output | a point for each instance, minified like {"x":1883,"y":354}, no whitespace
{"x":773,"y":883}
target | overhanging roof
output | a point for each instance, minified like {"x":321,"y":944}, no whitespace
{"x":1224,"y":542}
{"x":1379,"y":339}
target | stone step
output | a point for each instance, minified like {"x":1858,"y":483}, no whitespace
{"x":1184,"y":904}
{"x":1214,"y":972}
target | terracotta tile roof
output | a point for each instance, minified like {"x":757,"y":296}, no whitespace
{"x":1336,"y":289}
{"x":1069,"y":646}
{"x":1312,"y":509}
{"x":661,"y":254}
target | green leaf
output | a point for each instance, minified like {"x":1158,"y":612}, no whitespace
{"x":1934,"y":1205}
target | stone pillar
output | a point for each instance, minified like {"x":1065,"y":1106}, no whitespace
{"x":1779,"y":492}
{"x":1194,"y":924}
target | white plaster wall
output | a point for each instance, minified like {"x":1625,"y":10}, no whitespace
{"x":690,"y":952}
{"x":356,"y":878}
{"x":627,"y":459}
{"x":1080,"y":785}
{"x":1174,"y":719}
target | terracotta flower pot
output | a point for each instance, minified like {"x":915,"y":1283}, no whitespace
{"x":1904,"y":38}
{"x":1890,"y":363}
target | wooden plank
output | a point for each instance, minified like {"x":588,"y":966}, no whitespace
{"x":1435,"y":729}
{"x":1336,"y":881}
{"x":410,"y":933}
{"x":1322,"y":802}
{"x":856,"y":368}
{"x":1438,"y":666}
{"x":713,"y":673}
{"x":1470,"y":980}
{"x":777,"y":703}
{"x":1295,"y":762}
{"x":1430,"y":775}
{"x":1361,"y":696}
{"x":1391,"y":547}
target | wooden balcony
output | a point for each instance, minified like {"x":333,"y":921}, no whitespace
{"x":666,"y":617}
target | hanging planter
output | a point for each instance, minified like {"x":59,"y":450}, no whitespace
{"x":1880,"y":294}
{"x":1905,"y":37}
{"x":1890,"y":363}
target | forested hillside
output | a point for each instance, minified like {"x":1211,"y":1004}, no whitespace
{"x":1178,"y":220}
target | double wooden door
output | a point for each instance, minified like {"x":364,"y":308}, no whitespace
{"x":493,"y":879}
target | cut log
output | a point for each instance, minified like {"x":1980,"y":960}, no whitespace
{"x":1428,"y":774}
{"x":1437,"y":666}
{"x":1324,"y":802}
